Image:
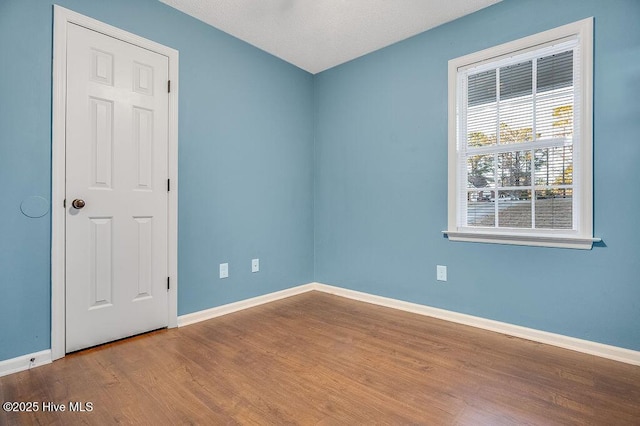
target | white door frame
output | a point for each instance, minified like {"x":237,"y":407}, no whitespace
{"x":62,"y":18}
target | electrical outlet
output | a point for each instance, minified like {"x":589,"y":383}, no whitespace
{"x":255,"y":265}
{"x":441,"y":273}
{"x":224,"y":270}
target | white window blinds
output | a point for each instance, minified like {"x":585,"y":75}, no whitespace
{"x":518,"y":140}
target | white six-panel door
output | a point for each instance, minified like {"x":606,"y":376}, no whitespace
{"x":116,"y":162}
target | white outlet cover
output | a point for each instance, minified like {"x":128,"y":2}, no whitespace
{"x":255,"y":265}
{"x":224,"y":270}
{"x":441,"y":272}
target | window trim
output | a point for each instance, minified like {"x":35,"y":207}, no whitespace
{"x":582,"y":238}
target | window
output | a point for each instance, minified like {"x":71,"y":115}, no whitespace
{"x":520,"y":141}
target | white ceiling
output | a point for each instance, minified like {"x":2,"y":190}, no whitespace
{"x":319,"y":34}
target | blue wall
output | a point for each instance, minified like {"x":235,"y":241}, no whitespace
{"x":375,"y":195}
{"x":245,"y":162}
{"x":381,"y":181}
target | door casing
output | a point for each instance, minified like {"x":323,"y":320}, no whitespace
{"x":62,"y":18}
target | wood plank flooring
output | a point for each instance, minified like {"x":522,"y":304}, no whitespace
{"x":321,"y":359}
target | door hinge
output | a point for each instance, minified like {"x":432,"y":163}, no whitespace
{"x":169,"y":86}
{"x":168,"y":283}
{"x":64,"y":203}
{"x":168,"y":185}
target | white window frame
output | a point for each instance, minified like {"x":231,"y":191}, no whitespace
{"x":582,"y":236}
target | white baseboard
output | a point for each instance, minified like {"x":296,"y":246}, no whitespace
{"x":24,"y":362}
{"x":615,"y":353}
{"x":206,"y":314}
{"x":586,"y":346}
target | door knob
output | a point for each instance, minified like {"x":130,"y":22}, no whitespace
{"x":77,"y":203}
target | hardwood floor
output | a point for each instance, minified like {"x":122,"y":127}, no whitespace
{"x":321,"y":359}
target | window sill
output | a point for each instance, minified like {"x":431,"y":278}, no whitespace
{"x":559,"y":241}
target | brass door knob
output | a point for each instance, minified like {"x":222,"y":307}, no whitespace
{"x":78,"y":203}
